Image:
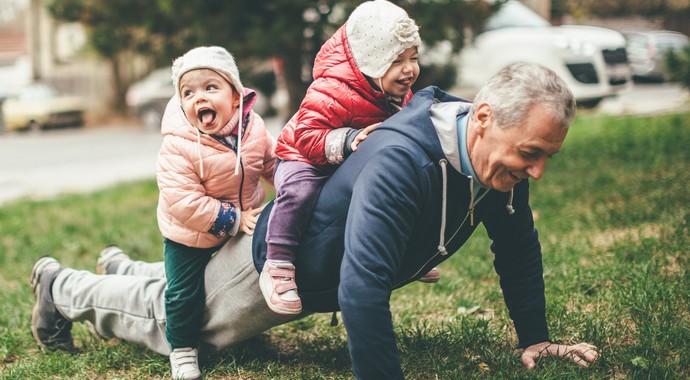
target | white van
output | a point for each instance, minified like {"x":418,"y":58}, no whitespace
{"x":591,"y":60}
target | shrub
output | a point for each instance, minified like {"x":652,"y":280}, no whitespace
{"x":678,"y":65}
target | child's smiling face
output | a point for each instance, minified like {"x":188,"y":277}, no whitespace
{"x":208,"y":100}
{"x":402,"y":73}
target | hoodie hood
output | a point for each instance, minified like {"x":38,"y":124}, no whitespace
{"x":431,"y":106}
{"x":436,"y":113}
{"x":444,"y":117}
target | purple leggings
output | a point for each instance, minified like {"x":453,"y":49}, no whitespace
{"x":298,"y":185}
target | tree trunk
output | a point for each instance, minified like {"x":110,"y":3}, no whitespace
{"x":292,"y":74}
{"x":118,"y":85}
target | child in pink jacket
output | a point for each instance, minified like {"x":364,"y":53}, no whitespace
{"x":215,"y":151}
{"x":362,"y":75}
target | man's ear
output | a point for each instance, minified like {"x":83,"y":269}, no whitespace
{"x":483,"y":117}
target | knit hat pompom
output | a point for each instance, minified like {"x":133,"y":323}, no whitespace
{"x":378,"y":31}
{"x":214,"y":58}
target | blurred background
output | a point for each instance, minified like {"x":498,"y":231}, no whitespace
{"x":104,"y":67}
{"x":111,"y":59}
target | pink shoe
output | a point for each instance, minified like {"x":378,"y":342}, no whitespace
{"x":277,"y":282}
{"x":431,"y":276}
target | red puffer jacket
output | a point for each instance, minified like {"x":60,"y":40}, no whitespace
{"x":340,"y":96}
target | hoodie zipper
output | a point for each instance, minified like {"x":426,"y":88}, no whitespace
{"x":470,"y":214}
{"x":439,"y":252}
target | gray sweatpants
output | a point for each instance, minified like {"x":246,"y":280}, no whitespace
{"x":130,"y":305}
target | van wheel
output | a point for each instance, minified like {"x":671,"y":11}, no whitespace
{"x":35,"y":126}
{"x":589,"y":104}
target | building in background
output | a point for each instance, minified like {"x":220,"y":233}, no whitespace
{"x":36,"y":48}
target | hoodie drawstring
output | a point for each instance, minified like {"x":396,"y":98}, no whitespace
{"x":444,"y":200}
{"x":201,"y":159}
{"x":444,"y":174}
{"x":239,"y":136}
{"x":471,"y":202}
{"x":509,"y":206}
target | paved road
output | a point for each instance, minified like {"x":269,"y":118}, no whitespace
{"x":80,"y":160}
{"x":40,"y":165}
{"x":43,"y":164}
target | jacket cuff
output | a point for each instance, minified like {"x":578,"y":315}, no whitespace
{"x":531,"y":330}
{"x":227,"y":221}
{"x":336,"y":147}
{"x":236,"y":226}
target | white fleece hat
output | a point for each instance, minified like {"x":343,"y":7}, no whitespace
{"x":378,"y":31}
{"x":214,"y":58}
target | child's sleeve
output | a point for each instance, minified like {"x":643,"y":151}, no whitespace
{"x":227,"y":221}
{"x":321,"y":113}
{"x":339,"y":144}
{"x":182,"y":192}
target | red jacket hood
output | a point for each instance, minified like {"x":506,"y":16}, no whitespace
{"x":335,"y":60}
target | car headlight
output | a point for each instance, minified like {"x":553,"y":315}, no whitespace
{"x":575,"y":46}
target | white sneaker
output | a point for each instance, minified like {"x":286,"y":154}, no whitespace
{"x":277,"y":282}
{"x":185,"y":364}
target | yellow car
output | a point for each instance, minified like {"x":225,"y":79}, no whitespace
{"x":39,"y":106}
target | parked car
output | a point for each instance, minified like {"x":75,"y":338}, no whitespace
{"x":148,"y":97}
{"x":38,"y":106}
{"x":591,"y":60}
{"x":647,"y":52}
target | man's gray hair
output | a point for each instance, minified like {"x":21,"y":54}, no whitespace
{"x":512,"y":92}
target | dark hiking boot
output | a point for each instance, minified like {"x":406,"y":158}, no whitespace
{"x":50,"y":329}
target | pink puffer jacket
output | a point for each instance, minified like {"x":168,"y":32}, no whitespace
{"x":188,"y":205}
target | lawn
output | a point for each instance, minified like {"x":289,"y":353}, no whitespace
{"x":613,"y":212}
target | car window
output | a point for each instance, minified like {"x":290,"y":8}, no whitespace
{"x":636,"y":41}
{"x":514,"y":14}
{"x":37,"y":92}
{"x":670,"y":42}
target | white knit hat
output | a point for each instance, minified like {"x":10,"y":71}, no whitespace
{"x":214,"y":58}
{"x":221,"y":61}
{"x":378,"y":31}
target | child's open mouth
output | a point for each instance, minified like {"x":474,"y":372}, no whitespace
{"x":207,"y":116}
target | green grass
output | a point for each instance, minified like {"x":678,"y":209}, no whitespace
{"x":613,"y":213}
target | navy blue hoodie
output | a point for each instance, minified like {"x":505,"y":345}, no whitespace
{"x":376,"y":227}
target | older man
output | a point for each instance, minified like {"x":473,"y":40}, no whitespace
{"x":409,"y":198}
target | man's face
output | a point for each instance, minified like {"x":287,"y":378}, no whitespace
{"x":503,"y":157}
{"x":208,"y":100}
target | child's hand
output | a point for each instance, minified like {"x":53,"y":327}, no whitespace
{"x":248,"y":220}
{"x":362,"y":135}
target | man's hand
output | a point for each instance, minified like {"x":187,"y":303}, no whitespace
{"x":362,"y":135}
{"x":248,"y":220}
{"x":580,"y":354}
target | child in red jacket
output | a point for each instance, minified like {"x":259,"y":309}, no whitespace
{"x":362,"y":75}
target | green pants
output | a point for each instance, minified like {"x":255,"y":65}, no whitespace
{"x":185,"y":298}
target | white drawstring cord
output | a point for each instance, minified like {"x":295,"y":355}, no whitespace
{"x":239,"y":136}
{"x":442,"y":238}
{"x":509,"y":206}
{"x":201,"y":159}
{"x":471,"y":201}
